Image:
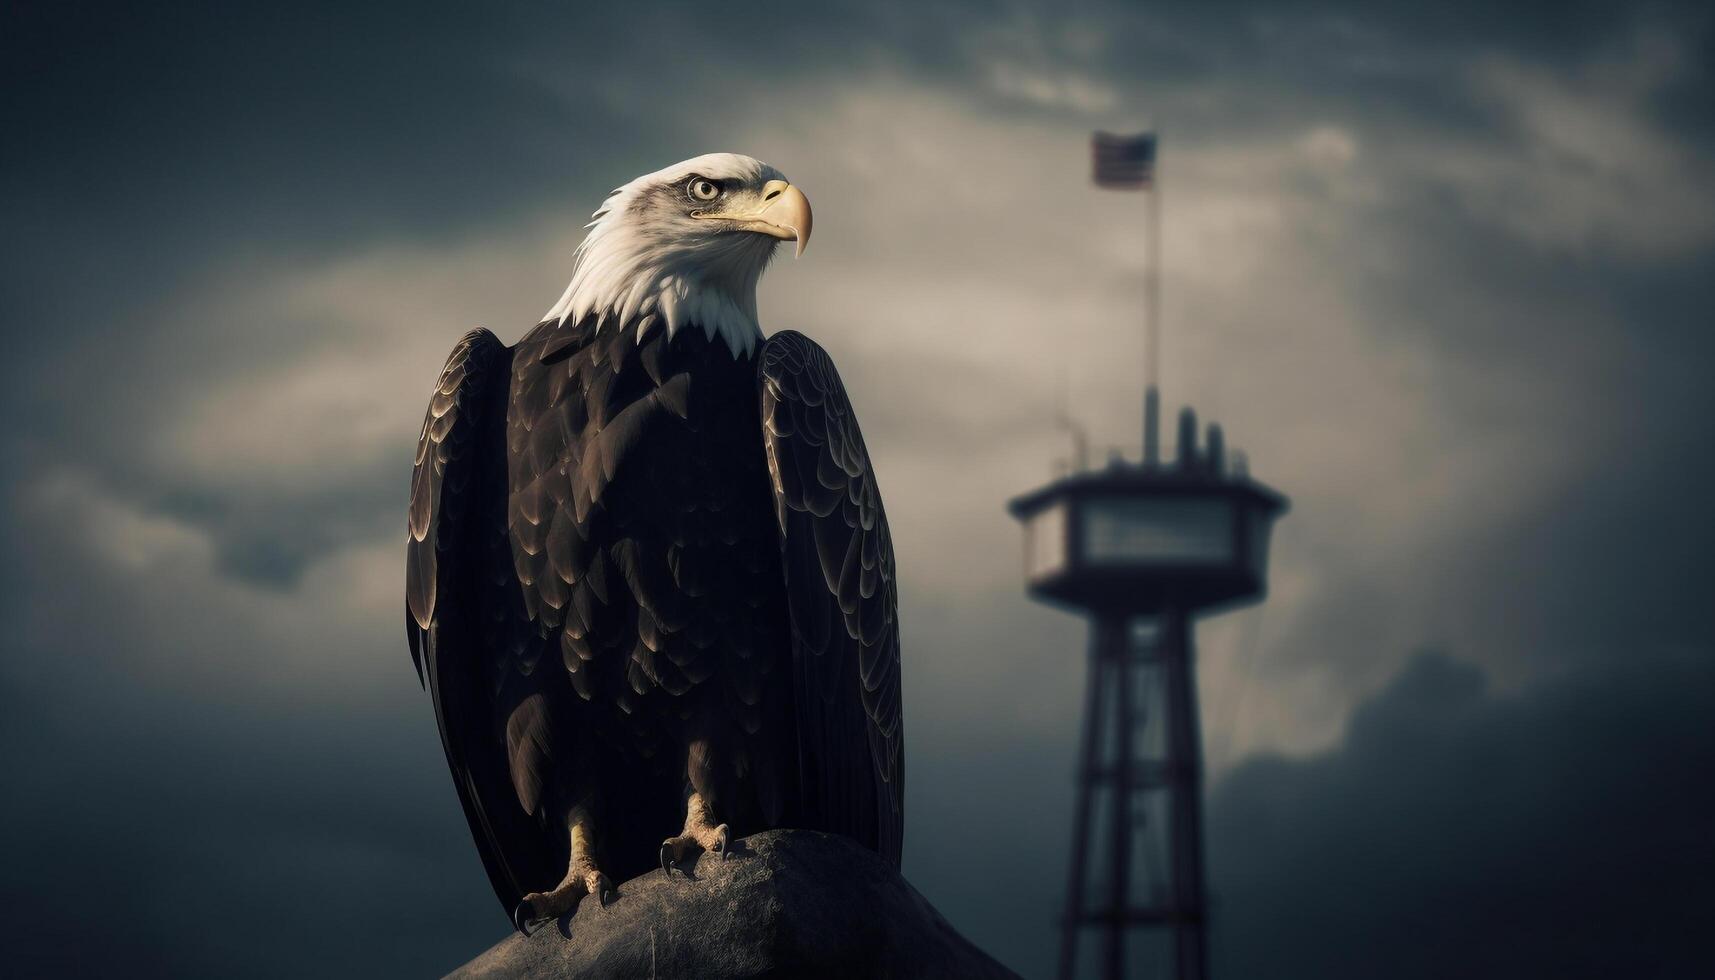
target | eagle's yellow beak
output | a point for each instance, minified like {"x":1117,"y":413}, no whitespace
{"x":784,"y":213}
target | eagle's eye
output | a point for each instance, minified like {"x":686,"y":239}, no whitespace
{"x":703,"y":189}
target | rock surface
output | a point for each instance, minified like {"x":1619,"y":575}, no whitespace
{"x":789,"y":903}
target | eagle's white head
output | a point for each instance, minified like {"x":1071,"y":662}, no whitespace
{"x":686,"y":245}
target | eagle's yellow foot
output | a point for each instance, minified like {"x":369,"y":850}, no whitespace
{"x":700,"y":831}
{"x":582,"y":878}
{"x":540,"y":907}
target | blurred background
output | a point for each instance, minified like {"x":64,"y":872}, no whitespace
{"x":1444,"y":273}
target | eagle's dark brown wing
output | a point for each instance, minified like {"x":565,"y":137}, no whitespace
{"x":461,"y":635}
{"x":838,"y":561}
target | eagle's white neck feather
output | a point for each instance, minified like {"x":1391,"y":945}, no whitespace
{"x":639,"y":265}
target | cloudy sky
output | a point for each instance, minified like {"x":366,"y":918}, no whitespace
{"x":1444,"y":273}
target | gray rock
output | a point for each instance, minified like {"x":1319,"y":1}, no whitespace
{"x":789,"y":903}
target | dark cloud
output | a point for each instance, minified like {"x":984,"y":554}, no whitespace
{"x":1556,"y":831}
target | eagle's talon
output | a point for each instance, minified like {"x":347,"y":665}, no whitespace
{"x":667,"y":857}
{"x":722,"y":843}
{"x":523,"y":914}
{"x":603,"y":890}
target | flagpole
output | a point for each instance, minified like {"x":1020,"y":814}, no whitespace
{"x":1152,"y":318}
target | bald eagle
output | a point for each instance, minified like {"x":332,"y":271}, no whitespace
{"x":650,"y":585}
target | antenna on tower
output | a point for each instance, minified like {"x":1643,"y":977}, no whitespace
{"x":1064,"y":419}
{"x":1152,"y":323}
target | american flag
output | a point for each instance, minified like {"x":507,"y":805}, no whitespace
{"x":1124,"y":162}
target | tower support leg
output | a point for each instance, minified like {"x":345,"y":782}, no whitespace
{"x":1114,"y":637}
{"x":1185,"y":768}
{"x":1108,"y":754}
{"x":1089,"y":759}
